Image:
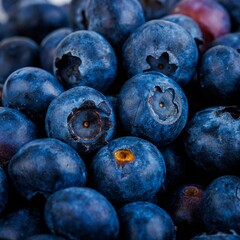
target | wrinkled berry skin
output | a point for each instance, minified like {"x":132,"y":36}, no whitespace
{"x":31,"y":90}
{"x":221,"y":204}
{"x":145,"y":221}
{"x":15,"y":131}
{"x":15,"y":53}
{"x":3,"y":191}
{"x":47,"y":17}
{"x":188,"y":24}
{"x":212,"y":18}
{"x":217,"y":236}
{"x":220,"y":76}
{"x":44,"y":237}
{"x":154,"y":107}
{"x":212,"y":140}
{"x":44,"y":166}
{"x":128,"y":169}
{"x":154,"y":9}
{"x":184,"y":207}
{"x":81,"y":117}
{"x":154,"y":47}
{"x":230,"y":40}
{"x":85,"y":58}
{"x":81,"y":213}
{"x":49,"y":45}
{"x":22,"y":223}
{"x":113,"y":19}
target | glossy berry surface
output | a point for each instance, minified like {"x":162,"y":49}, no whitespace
{"x":48,"y":47}
{"x":31,"y":90}
{"x":85,"y":58}
{"x":15,"y":53}
{"x":221,"y":204}
{"x":81,"y":213}
{"x":128,"y":169}
{"x":153,"y":47}
{"x":81,"y":117}
{"x":15,"y":131}
{"x":162,"y":108}
{"x":212,"y":140}
{"x":44,"y":166}
{"x":145,"y":221}
{"x":217,"y":236}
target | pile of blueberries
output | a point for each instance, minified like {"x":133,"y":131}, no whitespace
{"x":120,"y":119}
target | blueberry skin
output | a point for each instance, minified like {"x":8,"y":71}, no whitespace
{"x":81,"y":117}
{"x":113,"y":19}
{"x":44,"y":166}
{"x":231,"y":40}
{"x":154,"y":47}
{"x":217,"y":236}
{"x":128,"y":169}
{"x":188,"y":24}
{"x":154,"y":107}
{"x":85,"y":58}
{"x":4,"y":188}
{"x":81,"y":213}
{"x":15,"y":131}
{"x":31,"y":90}
{"x":44,"y":237}
{"x":77,"y":14}
{"x":212,"y":140}
{"x":176,"y":166}
{"x":221,"y":204}
{"x":47,"y":17}
{"x":48,"y":47}
{"x":154,"y":9}
{"x":15,"y":53}
{"x":22,"y":223}
{"x":145,"y":221}
{"x":220,"y":75}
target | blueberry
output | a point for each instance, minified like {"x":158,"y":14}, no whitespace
{"x":15,"y":53}
{"x":212,"y":18}
{"x":44,"y":166}
{"x":21,"y":223}
{"x":153,"y":106}
{"x":44,"y":237}
{"x":30,"y":90}
{"x":212,"y":140}
{"x":113,"y":19}
{"x":218,"y":64}
{"x":35,"y":19}
{"x":184,"y":206}
{"x":154,"y":47}
{"x":85,"y":58}
{"x":4,"y":189}
{"x":154,"y":9}
{"x":128,"y":169}
{"x":221,"y":204}
{"x":81,"y":117}
{"x":176,"y":166}
{"x":15,"y":130}
{"x":49,"y":45}
{"x":217,"y":236}
{"x":145,"y":221}
{"x":81,"y":213}
{"x":188,"y":24}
